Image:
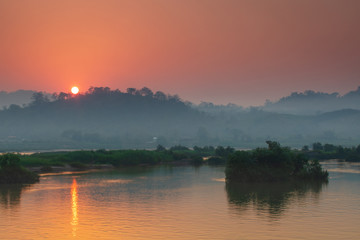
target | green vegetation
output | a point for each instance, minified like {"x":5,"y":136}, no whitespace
{"x":117,"y":158}
{"x":12,"y":172}
{"x":81,"y":159}
{"x":274,"y":163}
{"x":330,"y":151}
{"x":220,"y":156}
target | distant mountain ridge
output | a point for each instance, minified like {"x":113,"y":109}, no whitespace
{"x":310,"y":102}
{"x":299,"y":103}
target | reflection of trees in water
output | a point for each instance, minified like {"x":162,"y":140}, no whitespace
{"x":10,"y":194}
{"x":273,"y":198}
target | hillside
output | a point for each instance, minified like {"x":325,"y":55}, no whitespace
{"x":310,"y":102}
{"x":105,"y":118}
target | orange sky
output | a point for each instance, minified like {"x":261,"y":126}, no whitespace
{"x":204,"y":50}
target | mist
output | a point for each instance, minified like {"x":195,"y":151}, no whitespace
{"x":143,"y":119}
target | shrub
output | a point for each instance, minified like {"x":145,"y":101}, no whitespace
{"x":274,"y":163}
{"x":12,"y":172}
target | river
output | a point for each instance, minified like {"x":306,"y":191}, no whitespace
{"x":180,"y":202}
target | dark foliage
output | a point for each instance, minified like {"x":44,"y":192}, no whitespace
{"x":216,"y":161}
{"x":12,"y":172}
{"x":205,"y":151}
{"x":274,"y":163}
{"x":310,"y":102}
{"x":80,"y":159}
{"x":330,"y":151}
{"x":179,"y":148}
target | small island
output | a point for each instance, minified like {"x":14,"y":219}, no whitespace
{"x":12,"y":172}
{"x":273,"y":164}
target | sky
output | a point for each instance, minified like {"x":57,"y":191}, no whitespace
{"x":239,"y":51}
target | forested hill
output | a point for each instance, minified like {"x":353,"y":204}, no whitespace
{"x":101,"y":112}
{"x":310,"y":102}
{"x":105,"y":118}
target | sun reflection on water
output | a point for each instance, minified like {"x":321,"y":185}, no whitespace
{"x":74,"y":207}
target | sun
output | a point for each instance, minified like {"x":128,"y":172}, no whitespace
{"x":75,"y":90}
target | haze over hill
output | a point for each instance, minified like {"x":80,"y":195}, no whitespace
{"x":105,"y":118}
{"x":301,"y":103}
{"x":18,"y":97}
{"x":310,"y":102}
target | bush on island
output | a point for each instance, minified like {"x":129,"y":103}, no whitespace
{"x":274,"y":163}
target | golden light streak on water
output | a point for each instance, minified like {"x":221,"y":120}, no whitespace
{"x":74,"y":207}
{"x":182,"y":202}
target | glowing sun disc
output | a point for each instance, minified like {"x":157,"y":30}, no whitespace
{"x":75,"y":90}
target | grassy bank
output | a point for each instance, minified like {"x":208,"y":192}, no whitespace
{"x":119,"y":158}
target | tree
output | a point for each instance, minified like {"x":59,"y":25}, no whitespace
{"x":12,"y":172}
{"x":305,"y":148}
{"x":61,"y":96}
{"x":14,"y":107}
{"x":99,"y":90}
{"x":272,"y":145}
{"x":39,"y":98}
{"x":160,"y":96}
{"x":224,"y":152}
{"x":174,"y":98}
{"x":131,"y":91}
{"x":146,"y":92}
{"x":329,"y":148}
{"x":9,"y":160}
{"x":160,"y":148}
{"x":358,"y":149}
{"x":317,"y":146}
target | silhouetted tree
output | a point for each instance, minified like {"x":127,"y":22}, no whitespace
{"x":317,"y":146}
{"x":305,"y":148}
{"x":160,"y":96}
{"x":61,"y":96}
{"x":9,"y":160}
{"x":224,"y":152}
{"x":146,"y":92}
{"x":358,"y":149}
{"x":329,"y":147}
{"x":160,"y":148}
{"x":39,"y":98}
{"x":131,"y":91}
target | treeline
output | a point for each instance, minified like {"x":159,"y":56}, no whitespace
{"x":329,"y":151}
{"x":310,"y":102}
{"x":120,"y":158}
{"x":182,"y":154}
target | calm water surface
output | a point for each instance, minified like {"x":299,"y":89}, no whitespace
{"x":180,"y":203}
